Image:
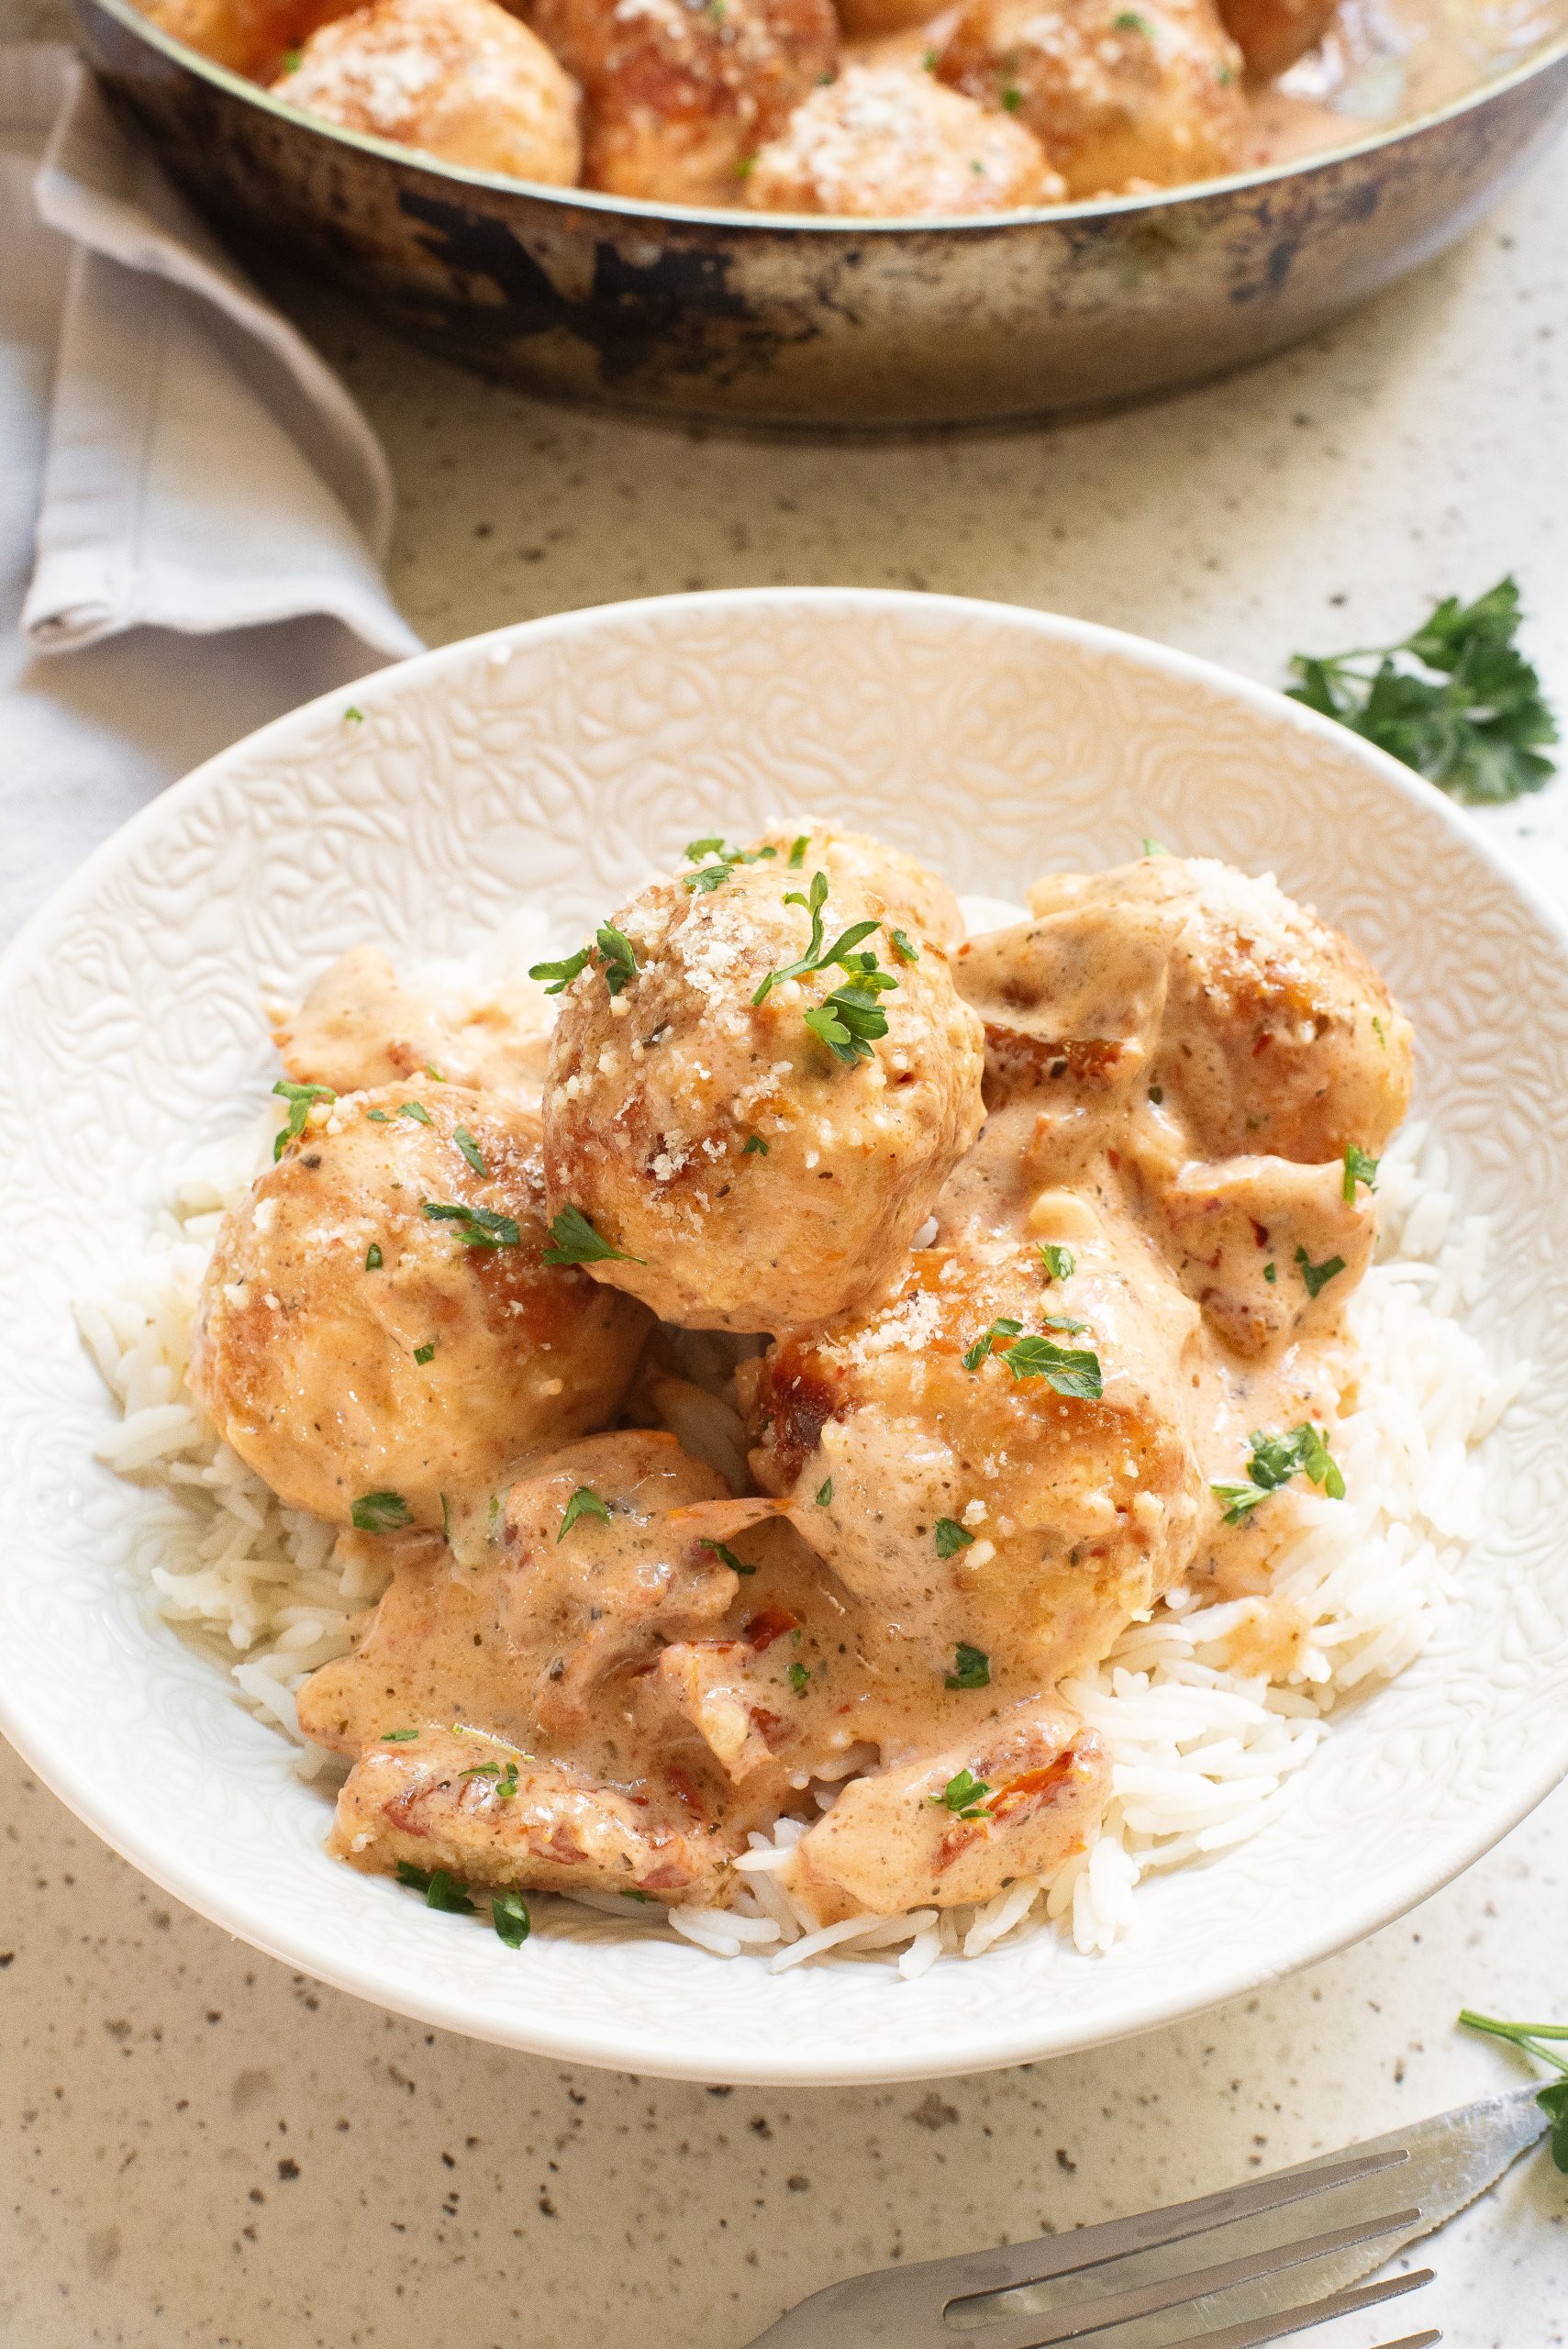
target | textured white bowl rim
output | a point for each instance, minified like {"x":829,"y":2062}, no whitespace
{"x":1027,"y":2037}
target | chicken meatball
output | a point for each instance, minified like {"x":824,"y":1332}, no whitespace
{"x":1272,"y":34}
{"x":459,"y":79}
{"x":994,"y":1460}
{"x":252,"y":36}
{"x":1118,"y":97}
{"x":751,"y":1111}
{"x":379,"y":1327}
{"x":680,"y":94}
{"x":1276,"y":1035}
{"x":886,"y":142}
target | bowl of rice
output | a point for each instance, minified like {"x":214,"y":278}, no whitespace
{"x":475,"y":807}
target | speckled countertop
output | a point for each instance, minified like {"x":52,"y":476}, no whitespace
{"x":201,"y":2150}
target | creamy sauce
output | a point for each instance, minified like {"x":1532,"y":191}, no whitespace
{"x":615,"y":1660}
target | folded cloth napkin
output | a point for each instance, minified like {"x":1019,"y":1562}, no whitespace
{"x":205,"y":470}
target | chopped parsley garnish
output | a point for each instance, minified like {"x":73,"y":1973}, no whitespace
{"x":417,"y":1879}
{"x":1317,"y":1276}
{"x":904,"y":946}
{"x":825,"y":1494}
{"x":380,"y":1513}
{"x":1530,"y":2039}
{"x":952,"y":1537}
{"x":928,"y":61}
{"x":378,"y":1116}
{"x":426,"y":1352}
{"x":755,"y":1147}
{"x":584,"y":1502}
{"x":444,"y":1891}
{"x":292,"y":58}
{"x":616,"y":953}
{"x":1060,"y":1263}
{"x":971,"y":1668}
{"x":814,"y":957}
{"x":1275,"y":1460}
{"x":482,"y":1770}
{"x":301,"y":1098}
{"x":797,"y":851}
{"x":397,"y":1736}
{"x":1070,"y":1370}
{"x":476,"y":1227}
{"x":470,"y":1149}
{"x":717,"y":862}
{"x":446,"y":1519}
{"x":373,"y":1257}
{"x":577,"y":1242}
{"x":1129,"y":21}
{"x":416,"y":1110}
{"x":1154,"y":848}
{"x":1270,"y":1273}
{"x":987,"y":1339}
{"x":560,"y":975}
{"x":727,"y":1557}
{"x":847,"y":1021}
{"x":799,"y":1678}
{"x":1012,"y":98}
{"x":1359,"y":1168}
{"x":352,"y":717}
{"x":506,"y":1784}
{"x":1456,"y":700}
{"x":433,"y":1073}
{"x":510,"y":1915}
{"x":965,"y":1794}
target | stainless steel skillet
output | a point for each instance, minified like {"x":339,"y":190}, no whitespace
{"x":774,"y":319}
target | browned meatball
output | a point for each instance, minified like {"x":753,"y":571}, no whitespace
{"x":996,"y":1458}
{"x":1118,"y":96}
{"x":378,"y":1317}
{"x":461,"y":79}
{"x":1275,"y":1035}
{"x":760,"y":1164}
{"x":680,"y":94}
{"x":250,"y":36}
{"x":1272,"y":34}
{"x":886,"y":142}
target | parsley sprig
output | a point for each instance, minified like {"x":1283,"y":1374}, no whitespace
{"x":475,"y":1227}
{"x":577,"y":1242}
{"x":508,"y":1910}
{"x":1275,"y":1460}
{"x":963,"y":1795}
{"x":1359,"y":1168}
{"x":971,"y":1668}
{"x":817,"y":957}
{"x":1528,"y":2037}
{"x":617,"y":960}
{"x":1456,"y":700}
{"x":380,"y":1513}
{"x":301,"y":1098}
{"x":584,"y":1502}
{"x":1069,"y":1370}
{"x":850,"y":1019}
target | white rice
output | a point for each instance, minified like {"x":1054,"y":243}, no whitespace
{"x":1203,"y":1753}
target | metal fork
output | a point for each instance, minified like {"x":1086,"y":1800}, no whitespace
{"x":1108,"y":2285}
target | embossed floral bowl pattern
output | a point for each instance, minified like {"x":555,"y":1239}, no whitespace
{"x":558,"y":761}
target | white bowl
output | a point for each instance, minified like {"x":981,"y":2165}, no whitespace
{"x":559,"y":759}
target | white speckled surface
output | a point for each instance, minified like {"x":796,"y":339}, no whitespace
{"x":199,"y":2149}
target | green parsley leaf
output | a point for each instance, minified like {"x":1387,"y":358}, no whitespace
{"x":433,"y":1073}
{"x":300,"y":1098}
{"x":615,"y":952}
{"x":417,"y":1111}
{"x":904,"y":946}
{"x":380,"y":1513}
{"x":952,"y":1537}
{"x":964,"y":1794}
{"x":1154,"y":848}
{"x":470,"y":1149}
{"x":584,"y":1502}
{"x":799,"y":1678}
{"x":352,"y":717}
{"x":426,"y":1352}
{"x":1129,"y":21}
{"x":1359,"y":1168}
{"x":928,"y":61}
{"x":510,"y":1915}
{"x":378,"y":1116}
{"x":848,"y":1023}
{"x":1275,"y":1460}
{"x":755,"y":1147}
{"x":506,"y":1784}
{"x":971,"y":1668}
{"x":373,"y":1257}
{"x":1270,"y":1273}
{"x":825,"y":1494}
{"x":1317,"y":1276}
{"x":715,"y":874}
{"x":1534,"y":2039}
{"x":817,"y":957}
{"x":1012,"y":98}
{"x":476,"y":1227}
{"x":562,"y":973}
{"x":577,"y":1242}
{"x":397,"y":1736}
{"x":982,"y":1347}
{"x":1066,"y":1369}
{"x":727,"y":1557}
{"x":444,"y":1891}
{"x":797,"y":851}
{"x":1060,"y":1263}
{"x":417,"y":1879}
{"x":482,"y":1770}
{"x":1456,"y":699}
{"x":446,"y":1519}
{"x":292,"y":58}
